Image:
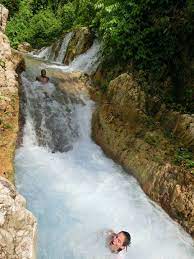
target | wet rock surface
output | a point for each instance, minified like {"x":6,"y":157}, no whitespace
{"x":52,"y":107}
{"x":81,"y":41}
{"x":125,"y":132}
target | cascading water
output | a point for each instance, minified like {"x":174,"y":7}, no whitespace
{"x":75,"y":195}
{"x":63,"y":48}
{"x":86,"y":62}
{"x":55,"y":52}
{"x":51,"y":113}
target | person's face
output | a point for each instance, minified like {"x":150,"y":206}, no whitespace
{"x":117,"y":242}
{"x":43,"y":73}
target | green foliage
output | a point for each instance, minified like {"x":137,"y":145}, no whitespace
{"x":45,"y":27}
{"x":2,"y":64}
{"x":85,"y":12}
{"x":154,"y":36}
{"x":18,"y":29}
{"x":68,"y":15}
{"x":37,"y":5}
{"x":104,"y":87}
{"x":38,"y":29}
{"x":184,"y":157}
{"x":7,"y":126}
{"x":152,"y":138}
{"x":11,"y":5}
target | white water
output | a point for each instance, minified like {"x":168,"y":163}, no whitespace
{"x":86,"y":62}
{"x":47,"y":52}
{"x":63,"y":48}
{"x":44,"y":53}
{"x":77,"y":194}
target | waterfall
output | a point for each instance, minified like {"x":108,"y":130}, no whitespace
{"x":74,"y":190}
{"x":63,"y":48}
{"x":86,"y":62}
{"x":52,"y":115}
{"x":55,"y":52}
{"x":43,"y":53}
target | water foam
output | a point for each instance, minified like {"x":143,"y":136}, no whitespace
{"x":75,"y":195}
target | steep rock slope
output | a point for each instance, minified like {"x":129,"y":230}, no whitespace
{"x":9,"y":104}
{"x":17,"y":225}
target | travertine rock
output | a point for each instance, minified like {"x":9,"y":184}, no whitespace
{"x":124,"y":92}
{"x":17,"y":225}
{"x":25,"y":47}
{"x":71,"y":84}
{"x":80,"y":42}
{"x":9,"y":106}
{"x":3,"y":18}
{"x":124,"y":131}
{"x":181,"y":125}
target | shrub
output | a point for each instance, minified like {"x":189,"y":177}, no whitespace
{"x":68,"y":15}
{"x":45,"y":27}
{"x":39,"y":29}
{"x":18,"y":29}
{"x":11,"y":5}
{"x":184,"y":157}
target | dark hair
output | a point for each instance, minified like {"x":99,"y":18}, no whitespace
{"x":127,"y":240}
{"x":43,"y":72}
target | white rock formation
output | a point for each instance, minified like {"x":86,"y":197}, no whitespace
{"x":3,"y":17}
{"x":18,"y":226}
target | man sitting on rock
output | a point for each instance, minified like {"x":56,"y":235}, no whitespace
{"x":43,"y":78}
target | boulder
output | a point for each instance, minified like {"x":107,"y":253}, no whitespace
{"x":125,"y":93}
{"x":81,"y":41}
{"x":179,"y":124}
{"x":18,"y":226}
{"x":25,"y":47}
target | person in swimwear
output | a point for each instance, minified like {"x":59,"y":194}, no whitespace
{"x":43,"y":78}
{"x":118,"y":242}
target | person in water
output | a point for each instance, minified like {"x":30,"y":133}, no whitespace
{"x":43,"y":78}
{"x":118,"y":242}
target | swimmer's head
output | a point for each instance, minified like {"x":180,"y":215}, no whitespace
{"x":120,"y":241}
{"x":43,"y":72}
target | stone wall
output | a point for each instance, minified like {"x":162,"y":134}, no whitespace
{"x":125,"y":133}
{"x":17,"y":225}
